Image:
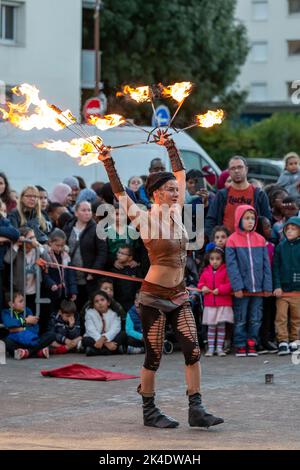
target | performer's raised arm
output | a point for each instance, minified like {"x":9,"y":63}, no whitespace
{"x":116,"y":185}
{"x":177,"y":164}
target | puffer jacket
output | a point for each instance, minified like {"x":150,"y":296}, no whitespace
{"x":216,"y":280}
{"x":286,"y":267}
{"x":247,"y":259}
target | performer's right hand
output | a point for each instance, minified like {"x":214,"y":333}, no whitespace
{"x":104,"y":153}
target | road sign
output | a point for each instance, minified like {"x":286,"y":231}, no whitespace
{"x":162,"y":116}
{"x":95,"y":106}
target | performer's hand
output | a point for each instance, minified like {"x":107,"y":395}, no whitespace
{"x":104,"y":153}
{"x":162,"y":138}
{"x":215,"y":292}
{"x":239,"y":294}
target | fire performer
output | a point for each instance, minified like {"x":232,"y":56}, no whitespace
{"x":163,"y":292}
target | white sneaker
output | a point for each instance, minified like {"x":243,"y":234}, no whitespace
{"x":133,"y":350}
{"x":209,"y":353}
{"x":294,"y":346}
{"x":221,"y":353}
{"x":283,"y":349}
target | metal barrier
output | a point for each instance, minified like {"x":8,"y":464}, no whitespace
{"x":38,"y":299}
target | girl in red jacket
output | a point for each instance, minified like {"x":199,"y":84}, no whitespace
{"x":215,"y":286}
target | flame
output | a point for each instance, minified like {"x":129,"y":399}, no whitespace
{"x":178,"y":91}
{"x":107,"y":122}
{"x":140,"y":94}
{"x":45,"y":115}
{"x":210,"y":119}
{"x":76,"y":148}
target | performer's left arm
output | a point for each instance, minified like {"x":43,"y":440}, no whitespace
{"x":177,"y":164}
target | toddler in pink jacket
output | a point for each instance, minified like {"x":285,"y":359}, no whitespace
{"x":215,"y":286}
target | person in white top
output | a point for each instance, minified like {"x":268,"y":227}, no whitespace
{"x":102,"y":327}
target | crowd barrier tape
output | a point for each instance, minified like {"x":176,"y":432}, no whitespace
{"x":43,"y":264}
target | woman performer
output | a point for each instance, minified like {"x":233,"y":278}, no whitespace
{"x":163,"y":292}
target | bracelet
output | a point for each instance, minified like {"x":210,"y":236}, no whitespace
{"x":176,"y":161}
{"x":116,"y":184}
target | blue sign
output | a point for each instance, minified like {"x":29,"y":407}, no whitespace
{"x":162,"y":117}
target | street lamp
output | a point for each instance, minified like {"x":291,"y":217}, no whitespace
{"x":97,"y":46}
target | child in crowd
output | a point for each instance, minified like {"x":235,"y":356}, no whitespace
{"x":215,"y":286}
{"x":59,"y":282}
{"x":23,"y":340}
{"x":134,"y":329}
{"x":8,"y":234}
{"x":65,"y":325}
{"x":102,"y":327}
{"x":220,"y":236}
{"x":267,"y":332}
{"x":107,"y":286}
{"x":290,"y":208}
{"x":291,"y":174}
{"x":249,"y":270}
{"x":286,"y":274}
{"x":276,"y":197}
{"x":33,"y":251}
{"x":125,"y":290}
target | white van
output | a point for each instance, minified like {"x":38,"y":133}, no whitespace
{"x":25,"y":164}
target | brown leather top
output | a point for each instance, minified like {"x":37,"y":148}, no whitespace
{"x":171,"y":253}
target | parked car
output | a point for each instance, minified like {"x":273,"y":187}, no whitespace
{"x":265,"y":169}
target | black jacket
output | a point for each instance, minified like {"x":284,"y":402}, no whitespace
{"x":31,"y":221}
{"x":93,"y":250}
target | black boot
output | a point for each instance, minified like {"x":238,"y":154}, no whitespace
{"x":153,"y":416}
{"x":198,"y":416}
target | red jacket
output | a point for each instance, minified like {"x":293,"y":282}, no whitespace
{"x":216,"y":280}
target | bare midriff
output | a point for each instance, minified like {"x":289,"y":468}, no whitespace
{"x":165,"y":276}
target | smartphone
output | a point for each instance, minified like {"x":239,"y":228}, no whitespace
{"x":200,"y":183}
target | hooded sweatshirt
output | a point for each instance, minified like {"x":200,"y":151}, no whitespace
{"x":286,"y":267}
{"x":247,"y":259}
{"x":289,"y":181}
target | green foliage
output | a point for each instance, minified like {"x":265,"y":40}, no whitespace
{"x":270,"y":138}
{"x":152,"y":41}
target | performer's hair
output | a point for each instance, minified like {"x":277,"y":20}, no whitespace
{"x":156,"y":180}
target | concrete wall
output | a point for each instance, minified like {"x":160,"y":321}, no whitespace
{"x":48,"y":52}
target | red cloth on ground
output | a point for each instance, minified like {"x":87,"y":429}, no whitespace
{"x":82,"y":372}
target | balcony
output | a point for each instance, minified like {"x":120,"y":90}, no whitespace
{"x":88,"y":68}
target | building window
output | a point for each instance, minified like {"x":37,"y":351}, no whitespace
{"x":294,"y":47}
{"x":8,"y":22}
{"x":258,"y":92}
{"x":260,"y":10}
{"x":259,"y":51}
{"x":294,"y":6}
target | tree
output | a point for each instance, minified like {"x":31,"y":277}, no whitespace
{"x":152,"y":41}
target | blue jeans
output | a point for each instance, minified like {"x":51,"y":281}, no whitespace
{"x":247,"y":319}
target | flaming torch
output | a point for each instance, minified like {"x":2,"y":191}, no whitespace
{"x":76,"y":148}
{"x":179,"y":92}
{"x":209,"y":119}
{"x":106,"y":122}
{"x":45,"y":115}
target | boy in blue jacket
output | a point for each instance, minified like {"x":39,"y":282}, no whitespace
{"x":23,"y":339}
{"x":249,"y":269}
{"x":286,"y":275}
{"x":134,"y":330}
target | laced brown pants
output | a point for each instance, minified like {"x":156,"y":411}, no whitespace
{"x":184,"y":327}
